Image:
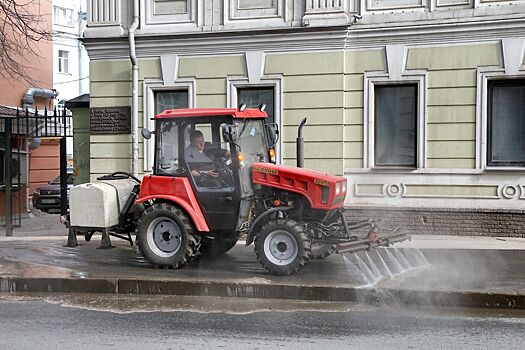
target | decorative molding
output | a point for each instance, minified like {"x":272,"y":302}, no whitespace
{"x":510,"y":191}
{"x":513,"y":54}
{"x":396,"y":59}
{"x":357,"y":36}
{"x":254,"y":65}
{"x":395,"y":190}
{"x":103,"y":11}
{"x":359,"y":193}
{"x":169,"y":65}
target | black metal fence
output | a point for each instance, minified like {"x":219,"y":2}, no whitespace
{"x":20,"y":131}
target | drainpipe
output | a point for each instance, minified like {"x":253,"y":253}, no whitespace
{"x":134,"y":90}
{"x":29,"y":97}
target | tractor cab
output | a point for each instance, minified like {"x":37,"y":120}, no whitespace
{"x":214,"y":149}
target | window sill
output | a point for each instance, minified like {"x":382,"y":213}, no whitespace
{"x":505,"y":168}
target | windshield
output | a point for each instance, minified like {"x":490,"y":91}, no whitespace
{"x":252,"y":141}
{"x":253,"y":146}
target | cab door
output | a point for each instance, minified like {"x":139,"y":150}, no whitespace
{"x":218,"y":195}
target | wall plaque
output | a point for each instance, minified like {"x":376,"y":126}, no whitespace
{"x":110,"y":120}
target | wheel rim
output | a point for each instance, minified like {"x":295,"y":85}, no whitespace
{"x":280,"y":247}
{"x":164,"y":237}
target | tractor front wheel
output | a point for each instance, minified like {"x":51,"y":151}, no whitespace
{"x":282,"y":247}
{"x":165,"y":236}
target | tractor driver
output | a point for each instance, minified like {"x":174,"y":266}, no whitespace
{"x":201,"y":165}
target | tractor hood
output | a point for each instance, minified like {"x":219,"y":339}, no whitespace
{"x":323,"y":191}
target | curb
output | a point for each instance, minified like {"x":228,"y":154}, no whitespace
{"x":376,"y":296}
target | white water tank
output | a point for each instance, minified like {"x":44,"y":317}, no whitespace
{"x":98,"y":205}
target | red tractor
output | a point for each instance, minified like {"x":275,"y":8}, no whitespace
{"x":215,"y":179}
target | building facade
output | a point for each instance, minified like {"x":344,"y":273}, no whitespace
{"x":419,"y":103}
{"x":17,"y":93}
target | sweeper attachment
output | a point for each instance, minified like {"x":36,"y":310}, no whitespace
{"x":215,"y":180}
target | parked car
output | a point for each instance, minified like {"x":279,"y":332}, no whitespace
{"x":47,"y":197}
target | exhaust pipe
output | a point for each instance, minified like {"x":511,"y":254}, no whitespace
{"x":300,"y":145}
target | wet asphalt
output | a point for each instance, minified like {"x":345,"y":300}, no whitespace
{"x":29,"y":324}
{"x":493,"y":271}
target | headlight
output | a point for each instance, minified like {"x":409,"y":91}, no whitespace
{"x":37,"y":191}
{"x":344,"y":186}
{"x":337,"y":188}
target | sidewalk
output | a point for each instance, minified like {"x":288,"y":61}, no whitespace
{"x":465,"y":272}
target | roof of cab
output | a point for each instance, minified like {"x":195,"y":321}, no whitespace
{"x":211,"y":112}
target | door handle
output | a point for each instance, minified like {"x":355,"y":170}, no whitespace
{"x":226,"y":198}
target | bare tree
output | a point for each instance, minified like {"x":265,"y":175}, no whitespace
{"x":22,"y":26}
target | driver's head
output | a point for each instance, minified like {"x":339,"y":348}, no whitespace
{"x":197,"y":140}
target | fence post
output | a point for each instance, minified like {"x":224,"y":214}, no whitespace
{"x":8,"y":179}
{"x":63,"y":167}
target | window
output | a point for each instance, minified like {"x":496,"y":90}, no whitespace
{"x":63,"y":16}
{"x":395,"y":125}
{"x":254,"y":96}
{"x":170,"y":100}
{"x":168,"y":150}
{"x":63,"y":61}
{"x":171,"y":11}
{"x":506,"y":123}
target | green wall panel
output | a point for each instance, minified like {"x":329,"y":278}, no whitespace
{"x":328,"y":82}
{"x":354,"y":99}
{"x":305,"y":63}
{"x":454,"y":57}
{"x":451,"y":149}
{"x":452,"y":78}
{"x":353,"y":150}
{"x":452,"y":96}
{"x":313,"y":99}
{"x":354,"y":116}
{"x":451,"y":163}
{"x":451,"y":114}
{"x":366,"y":60}
{"x":353,"y":132}
{"x":211,"y":101}
{"x":211,"y":86}
{"x":314,"y":133}
{"x":452,"y":132}
{"x":112,"y":89}
{"x":212,"y":66}
{"x":315,"y":150}
{"x":117,"y":70}
{"x":327,"y":166}
{"x":354,"y":82}
{"x":150,"y":69}
{"x":321,"y":116}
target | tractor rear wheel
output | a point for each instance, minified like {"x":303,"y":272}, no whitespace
{"x":165,"y":236}
{"x":211,"y":248}
{"x":321,"y":251}
{"x":282,"y":247}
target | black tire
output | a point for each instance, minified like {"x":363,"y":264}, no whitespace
{"x":321,"y":251}
{"x":165,"y":236}
{"x":282,"y":247}
{"x":211,"y":248}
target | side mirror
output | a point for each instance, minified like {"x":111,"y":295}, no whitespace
{"x":229,"y":133}
{"x":273,"y":133}
{"x":146,"y":133}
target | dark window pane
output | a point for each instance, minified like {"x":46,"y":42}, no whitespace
{"x":253,"y":97}
{"x":506,"y":123}
{"x":396,"y":125}
{"x":170,"y":100}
